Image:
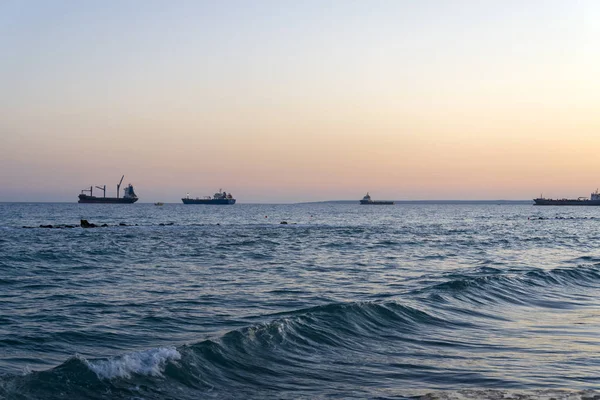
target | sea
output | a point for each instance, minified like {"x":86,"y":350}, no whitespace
{"x":299,"y":301}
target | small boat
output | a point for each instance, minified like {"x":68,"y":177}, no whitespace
{"x":159,"y":204}
{"x":220,"y":198}
{"x":367,"y":200}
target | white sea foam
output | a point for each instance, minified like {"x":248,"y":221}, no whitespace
{"x":150,"y":362}
{"x":492,"y":394}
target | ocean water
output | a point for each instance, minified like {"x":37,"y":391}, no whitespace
{"x":344,"y":301}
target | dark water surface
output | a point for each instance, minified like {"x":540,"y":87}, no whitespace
{"x":452,"y":301}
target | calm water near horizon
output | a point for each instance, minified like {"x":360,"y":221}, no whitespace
{"x":345,"y":301}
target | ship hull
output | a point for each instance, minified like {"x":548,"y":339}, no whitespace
{"x":377,"y":203}
{"x":565,"y":202}
{"x":85,"y":199}
{"x":209,"y":201}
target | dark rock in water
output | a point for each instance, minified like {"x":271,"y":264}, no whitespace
{"x":122,"y":224}
{"x":104,"y":225}
{"x":86,"y":224}
{"x":46,"y":226}
{"x":283,"y":223}
{"x":161,"y":224}
{"x":169,"y":223}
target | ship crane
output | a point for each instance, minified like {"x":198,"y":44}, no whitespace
{"x":119,"y":186}
{"x":103,"y":188}
{"x":87,"y":190}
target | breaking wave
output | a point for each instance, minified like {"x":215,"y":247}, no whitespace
{"x":151,"y":362}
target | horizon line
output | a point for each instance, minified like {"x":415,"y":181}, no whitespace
{"x":304,"y":202}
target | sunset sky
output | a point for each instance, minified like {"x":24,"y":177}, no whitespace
{"x":286,"y":101}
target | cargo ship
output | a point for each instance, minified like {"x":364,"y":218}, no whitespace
{"x":594,"y":200}
{"x":220,"y":198}
{"x":367,"y":200}
{"x":129,"y":195}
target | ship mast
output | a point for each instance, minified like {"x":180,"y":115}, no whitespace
{"x":119,"y":186}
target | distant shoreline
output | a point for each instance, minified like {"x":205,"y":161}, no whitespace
{"x":430,"y":202}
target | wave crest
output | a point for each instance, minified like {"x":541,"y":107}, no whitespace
{"x":520,"y":287}
{"x":149,"y":362}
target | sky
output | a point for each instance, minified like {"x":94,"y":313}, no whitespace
{"x":289,"y":101}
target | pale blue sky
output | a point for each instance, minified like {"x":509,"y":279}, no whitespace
{"x":305,"y":100}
